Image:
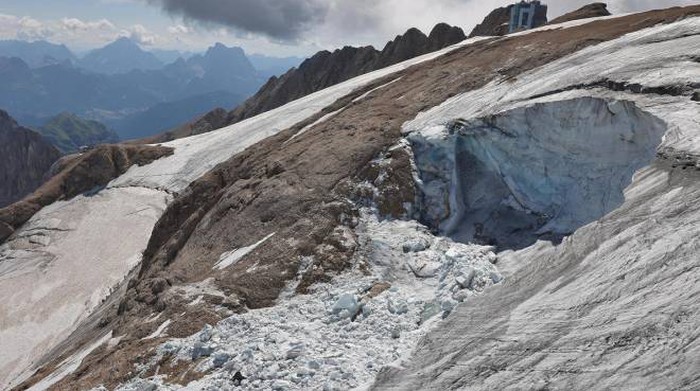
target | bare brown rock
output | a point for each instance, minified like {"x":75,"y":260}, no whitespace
{"x":592,"y":10}
{"x":377,"y":289}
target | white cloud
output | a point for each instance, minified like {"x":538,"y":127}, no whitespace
{"x":25,"y":27}
{"x":179,"y":29}
{"x":76,"y":25}
{"x":141,"y":35}
{"x":344,"y":22}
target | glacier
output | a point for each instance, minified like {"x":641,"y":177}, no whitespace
{"x":342,"y":333}
{"x":612,"y":306}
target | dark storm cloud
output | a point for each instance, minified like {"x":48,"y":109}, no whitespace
{"x":338,"y":22}
{"x":279,"y":19}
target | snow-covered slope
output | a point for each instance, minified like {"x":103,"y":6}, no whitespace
{"x":63,"y":263}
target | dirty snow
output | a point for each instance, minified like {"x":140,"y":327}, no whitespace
{"x":69,"y":365}
{"x":47,"y":289}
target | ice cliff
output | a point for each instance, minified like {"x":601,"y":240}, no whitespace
{"x":542,"y":170}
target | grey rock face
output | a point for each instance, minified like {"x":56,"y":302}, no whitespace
{"x":25,"y":158}
{"x":588,"y":11}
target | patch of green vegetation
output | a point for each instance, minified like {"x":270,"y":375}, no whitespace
{"x":68,"y":132}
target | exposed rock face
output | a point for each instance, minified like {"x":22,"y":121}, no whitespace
{"x":322,"y":70}
{"x":495,"y":23}
{"x":25,"y":158}
{"x":411,"y":44}
{"x":326,"y":69}
{"x":444,"y":35}
{"x":592,"y":10}
{"x":83,"y":173}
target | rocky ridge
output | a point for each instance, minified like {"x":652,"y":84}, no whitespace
{"x":326,"y":68}
{"x":494,"y":25}
{"x":592,"y":10}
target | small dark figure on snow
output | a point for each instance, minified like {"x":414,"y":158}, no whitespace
{"x":238,"y":378}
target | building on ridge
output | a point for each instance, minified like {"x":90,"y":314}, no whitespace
{"x":527,"y":15}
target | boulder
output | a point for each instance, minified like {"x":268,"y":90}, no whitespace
{"x":346,"y":306}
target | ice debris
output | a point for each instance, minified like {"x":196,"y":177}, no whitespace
{"x":342,"y":333}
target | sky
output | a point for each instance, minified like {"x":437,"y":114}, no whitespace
{"x":273,"y":27}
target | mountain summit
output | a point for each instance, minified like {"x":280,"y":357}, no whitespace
{"x":120,"y":56}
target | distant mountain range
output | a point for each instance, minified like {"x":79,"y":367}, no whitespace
{"x":273,"y":66}
{"x":37,"y":54}
{"x":168,"y":115}
{"x":124,"y":86}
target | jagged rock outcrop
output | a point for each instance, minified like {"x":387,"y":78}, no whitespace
{"x":322,"y":70}
{"x":495,"y":24}
{"x":592,"y":10}
{"x":326,"y":69}
{"x":25,"y":158}
{"x":80,"y":174}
